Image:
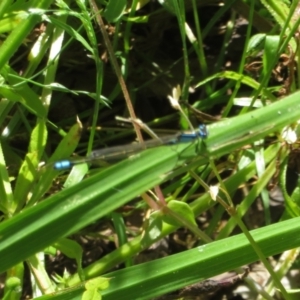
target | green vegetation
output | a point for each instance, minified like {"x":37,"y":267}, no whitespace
{"x":66,"y":68}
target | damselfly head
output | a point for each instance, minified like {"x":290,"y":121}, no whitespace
{"x":203,"y":133}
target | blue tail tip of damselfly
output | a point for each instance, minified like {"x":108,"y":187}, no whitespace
{"x":62,"y":165}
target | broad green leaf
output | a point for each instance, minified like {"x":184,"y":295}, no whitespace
{"x":181,"y":209}
{"x":155,"y":278}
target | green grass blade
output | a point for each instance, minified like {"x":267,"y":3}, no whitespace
{"x":161,"y":276}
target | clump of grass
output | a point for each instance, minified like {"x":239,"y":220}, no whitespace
{"x":65,"y":70}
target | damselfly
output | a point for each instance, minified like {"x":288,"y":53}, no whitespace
{"x":119,"y":152}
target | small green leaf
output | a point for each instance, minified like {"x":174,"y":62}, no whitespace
{"x":154,"y":228}
{"x":182,"y":211}
{"x":91,"y":295}
{"x":255,"y":44}
{"x":270,"y":51}
{"x":155,"y":225}
{"x":69,"y":247}
{"x":98,"y":283}
{"x":93,"y":287}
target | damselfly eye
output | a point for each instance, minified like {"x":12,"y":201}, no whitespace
{"x":203,"y":133}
